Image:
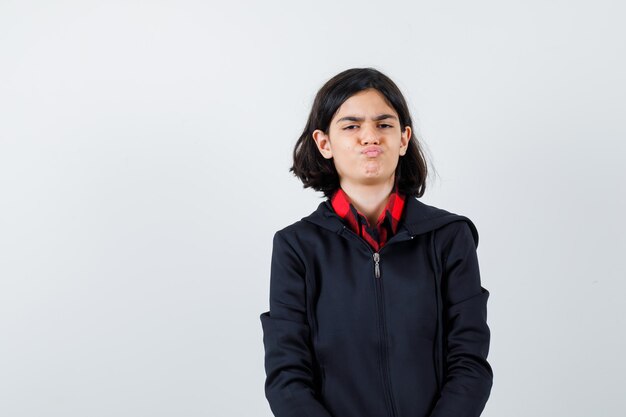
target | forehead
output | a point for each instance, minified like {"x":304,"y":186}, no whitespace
{"x":368,"y":101}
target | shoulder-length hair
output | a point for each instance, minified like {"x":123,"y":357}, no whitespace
{"x":319,"y":173}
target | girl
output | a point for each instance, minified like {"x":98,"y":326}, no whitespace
{"x":376,"y":305}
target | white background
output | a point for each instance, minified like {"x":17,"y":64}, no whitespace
{"x":144,"y":155}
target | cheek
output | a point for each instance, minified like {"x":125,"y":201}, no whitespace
{"x":344,"y":150}
{"x":348,"y":145}
{"x":345,"y":157}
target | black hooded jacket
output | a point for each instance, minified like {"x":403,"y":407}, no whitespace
{"x":402,"y":332}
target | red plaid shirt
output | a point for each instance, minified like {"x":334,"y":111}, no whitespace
{"x":387,"y":223}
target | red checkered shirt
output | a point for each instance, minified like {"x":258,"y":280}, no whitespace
{"x":387,"y":223}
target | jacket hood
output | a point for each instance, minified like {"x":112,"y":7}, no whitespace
{"x":419,"y":218}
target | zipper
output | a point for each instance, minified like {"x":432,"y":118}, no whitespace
{"x":382,"y":328}
{"x":376,"y":266}
{"x":383,"y":350}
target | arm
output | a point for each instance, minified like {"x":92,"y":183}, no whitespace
{"x":469,"y":376}
{"x":289,"y":384}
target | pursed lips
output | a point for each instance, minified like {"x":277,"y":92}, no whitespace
{"x":372,"y":151}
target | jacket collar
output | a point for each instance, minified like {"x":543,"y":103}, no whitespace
{"x":419,"y":218}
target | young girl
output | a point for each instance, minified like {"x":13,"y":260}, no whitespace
{"x":376,"y":306}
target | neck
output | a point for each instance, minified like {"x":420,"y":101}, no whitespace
{"x":369,"y":199}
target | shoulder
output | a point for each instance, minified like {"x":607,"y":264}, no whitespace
{"x":312,"y":227}
{"x":446,"y":224}
{"x":425,"y":210}
{"x":454,"y":229}
{"x":300,"y":239}
{"x":459,"y":231}
{"x":456,"y":241}
{"x":296,"y":230}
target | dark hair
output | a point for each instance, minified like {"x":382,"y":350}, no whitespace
{"x":319,"y":173}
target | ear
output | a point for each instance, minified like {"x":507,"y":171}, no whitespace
{"x":404,"y":140}
{"x":322,"y":141}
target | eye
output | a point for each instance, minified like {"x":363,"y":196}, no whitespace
{"x":349,"y":127}
{"x":386,"y":125}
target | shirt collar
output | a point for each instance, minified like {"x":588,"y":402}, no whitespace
{"x":346,"y":210}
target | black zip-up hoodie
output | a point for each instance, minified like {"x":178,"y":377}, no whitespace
{"x":356,"y":333}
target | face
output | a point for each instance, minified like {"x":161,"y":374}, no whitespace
{"x":365,"y":140}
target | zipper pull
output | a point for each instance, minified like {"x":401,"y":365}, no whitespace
{"x":376,"y":266}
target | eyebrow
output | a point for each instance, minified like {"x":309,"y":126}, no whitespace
{"x":360,"y":119}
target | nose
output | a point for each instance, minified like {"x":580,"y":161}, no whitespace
{"x":369,"y":134}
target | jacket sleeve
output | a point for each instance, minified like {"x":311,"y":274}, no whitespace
{"x":468,"y":375}
{"x":289,"y":363}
